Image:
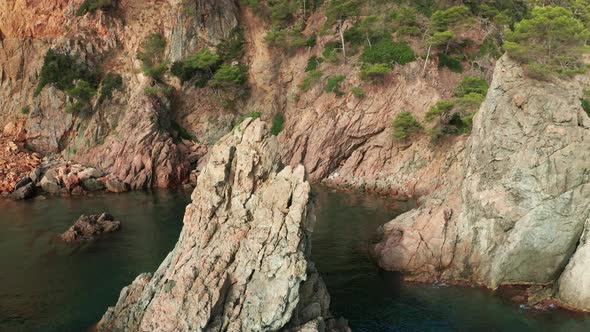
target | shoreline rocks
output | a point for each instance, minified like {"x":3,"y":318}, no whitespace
{"x":242,"y":260}
{"x":87,"y":227}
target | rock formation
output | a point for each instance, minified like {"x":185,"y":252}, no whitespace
{"x":518,"y":203}
{"x":242,"y":260}
{"x":88,"y":227}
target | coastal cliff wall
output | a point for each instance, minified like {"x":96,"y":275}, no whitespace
{"x":519,"y":203}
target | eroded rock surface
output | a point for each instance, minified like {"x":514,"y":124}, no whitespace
{"x":241,"y":262}
{"x":520,"y":198}
{"x":90,"y":226}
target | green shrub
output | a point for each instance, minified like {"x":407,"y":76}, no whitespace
{"x":539,"y":71}
{"x":82,"y":91}
{"x":228,"y":76}
{"x":202,"y":65}
{"x":442,"y":106}
{"x":451,"y":62}
{"x":157,"y":91}
{"x":439,"y":39}
{"x":232,"y":47}
{"x":358,"y":92}
{"x":551,"y":41}
{"x":441,"y":20}
{"x":333,"y":84}
{"x":25,"y":109}
{"x":152,"y":55}
{"x":471,"y":101}
{"x":332,"y":51}
{"x":62,"y":70}
{"x":586,"y":105}
{"x":375,"y":71}
{"x":254,"y":115}
{"x":310,"y":80}
{"x":290,"y":38}
{"x":151,"y":91}
{"x":404,"y":125}
{"x":313,"y":63}
{"x":489,"y":48}
{"x":181,"y":132}
{"x":471,"y":84}
{"x":109,"y":84}
{"x":389,"y":52}
{"x":278,"y":121}
{"x":90,"y":6}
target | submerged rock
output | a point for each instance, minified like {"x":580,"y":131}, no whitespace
{"x":242,"y":260}
{"x":87,"y":227}
{"x":23,"y":192}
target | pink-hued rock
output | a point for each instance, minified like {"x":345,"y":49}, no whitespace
{"x":71,"y":180}
{"x":89,"y":227}
{"x":242,"y":260}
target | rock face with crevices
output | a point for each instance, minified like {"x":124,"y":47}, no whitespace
{"x":516,"y":208}
{"x":241,"y":262}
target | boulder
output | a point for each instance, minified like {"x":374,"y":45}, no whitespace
{"x":90,"y":173}
{"x":116,"y":186}
{"x":242,"y":260}
{"x":23,"y":192}
{"x":71,"y":180}
{"x":49,"y":184}
{"x":92,"y":184}
{"x":88,"y":227}
{"x":36,"y":174}
{"x":23,"y":182}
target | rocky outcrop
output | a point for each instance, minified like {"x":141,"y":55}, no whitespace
{"x":141,"y":152}
{"x":48,"y":123}
{"x":516,"y":209}
{"x":242,"y":260}
{"x":89,"y":227}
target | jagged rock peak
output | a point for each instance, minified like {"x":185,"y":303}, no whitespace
{"x":241,"y":263}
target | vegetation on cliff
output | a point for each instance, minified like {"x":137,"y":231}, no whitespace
{"x":152,"y":56}
{"x":90,"y":6}
{"x":551,"y":41}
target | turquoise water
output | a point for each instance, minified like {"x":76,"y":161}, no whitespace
{"x":51,"y":287}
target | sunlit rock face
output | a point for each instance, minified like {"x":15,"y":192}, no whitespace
{"x":241,"y":262}
{"x":519,"y":203}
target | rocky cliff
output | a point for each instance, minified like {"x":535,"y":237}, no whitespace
{"x":518,"y":204}
{"x":133,"y":136}
{"x":242,"y":260}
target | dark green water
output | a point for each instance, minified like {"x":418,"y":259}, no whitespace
{"x":377,"y":301}
{"x":47,"y":286}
